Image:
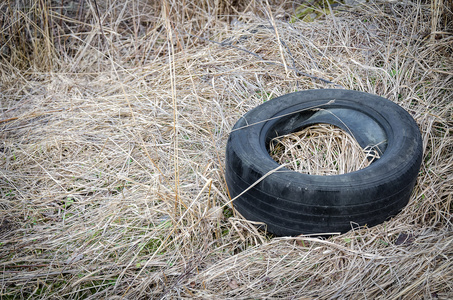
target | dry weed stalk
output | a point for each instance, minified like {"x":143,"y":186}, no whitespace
{"x":90,"y":149}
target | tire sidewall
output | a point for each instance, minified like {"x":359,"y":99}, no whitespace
{"x":246,"y":146}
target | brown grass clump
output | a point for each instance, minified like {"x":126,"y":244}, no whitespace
{"x":113,"y":123}
{"x":321,"y":149}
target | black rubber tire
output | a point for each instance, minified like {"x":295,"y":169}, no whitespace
{"x":292,"y":203}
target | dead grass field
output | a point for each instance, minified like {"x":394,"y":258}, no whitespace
{"x":113,"y":123}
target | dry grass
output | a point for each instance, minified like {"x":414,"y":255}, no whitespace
{"x":113,"y":137}
{"x":321,"y":149}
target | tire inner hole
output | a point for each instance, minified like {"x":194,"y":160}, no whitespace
{"x":321,"y":149}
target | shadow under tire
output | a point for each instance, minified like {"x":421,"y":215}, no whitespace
{"x":291,"y":203}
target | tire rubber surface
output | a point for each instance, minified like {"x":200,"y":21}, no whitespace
{"x":291,"y":203}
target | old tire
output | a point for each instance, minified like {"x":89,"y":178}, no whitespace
{"x":291,"y":203}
